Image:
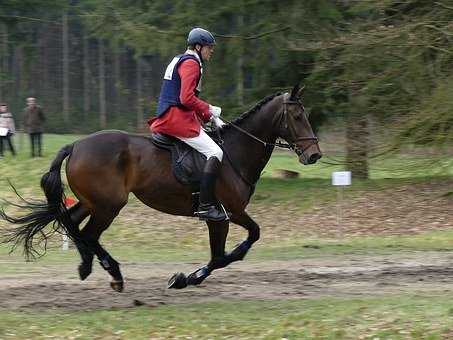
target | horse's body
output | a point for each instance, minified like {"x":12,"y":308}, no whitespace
{"x":103,"y":168}
{"x":134,"y":164}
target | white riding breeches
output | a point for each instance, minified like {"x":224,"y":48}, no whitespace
{"x":205,"y":145}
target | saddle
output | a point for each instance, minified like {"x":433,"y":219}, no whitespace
{"x":187,"y":163}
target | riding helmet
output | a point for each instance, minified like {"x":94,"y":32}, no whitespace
{"x":200,"y":36}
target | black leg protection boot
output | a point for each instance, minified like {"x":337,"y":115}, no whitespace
{"x":208,"y":208}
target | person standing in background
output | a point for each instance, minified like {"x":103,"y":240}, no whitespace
{"x":33,"y":122}
{"x":7,"y":129}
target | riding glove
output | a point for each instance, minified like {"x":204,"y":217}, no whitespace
{"x":215,"y":111}
{"x":218,"y":122}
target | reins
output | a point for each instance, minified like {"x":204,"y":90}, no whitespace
{"x":283,"y":145}
{"x":265,"y":144}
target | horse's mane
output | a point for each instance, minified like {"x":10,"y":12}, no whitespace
{"x":253,"y":110}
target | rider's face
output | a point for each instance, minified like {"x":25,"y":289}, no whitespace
{"x":206,"y":52}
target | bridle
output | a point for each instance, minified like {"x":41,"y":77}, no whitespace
{"x":283,"y":120}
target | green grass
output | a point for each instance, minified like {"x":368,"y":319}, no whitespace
{"x":395,"y":317}
{"x":400,"y":165}
{"x":25,"y":172}
{"x":290,"y":250}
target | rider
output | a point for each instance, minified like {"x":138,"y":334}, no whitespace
{"x":180,"y":113}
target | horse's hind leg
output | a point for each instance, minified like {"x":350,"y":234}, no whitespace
{"x":78,"y":213}
{"x":98,"y":222}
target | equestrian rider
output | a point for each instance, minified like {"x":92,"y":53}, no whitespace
{"x":180,"y":113}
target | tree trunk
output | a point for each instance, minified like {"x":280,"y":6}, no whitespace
{"x":357,"y":139}
{"x":86,"y":77}
{"x":117,"y":76}
{"x":102,"y":102}
{"x":65,"y":68}
{"x":17,"y":70}
{"x":45,"y":66}
{"x":240,"y":64}
{"x":3,"y":60}
{"x":140,"y":100}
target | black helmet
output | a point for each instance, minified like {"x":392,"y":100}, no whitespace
{"x":200,"y":36}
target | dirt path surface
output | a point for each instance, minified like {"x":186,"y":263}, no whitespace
{"x":381,"y":212}
{"x":58,"y":287}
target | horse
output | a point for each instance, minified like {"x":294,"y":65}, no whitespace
{"x":103,"y":168}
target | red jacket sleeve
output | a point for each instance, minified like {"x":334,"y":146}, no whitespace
{"x":189,"y":71}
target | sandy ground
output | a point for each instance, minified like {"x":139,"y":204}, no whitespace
{"x":346,"y":276}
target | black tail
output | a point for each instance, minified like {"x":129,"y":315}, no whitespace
{"x":42,"y":213}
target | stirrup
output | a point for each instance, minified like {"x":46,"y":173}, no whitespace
{"x":212,"y":212}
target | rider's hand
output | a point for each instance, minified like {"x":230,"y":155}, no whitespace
{"x":218,"y":122}
{"x":215,"y":111}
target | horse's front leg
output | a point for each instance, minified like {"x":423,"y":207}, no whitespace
{"x":217,"y":237}
{"x":239,"y":252}
{"x":218,"y":232}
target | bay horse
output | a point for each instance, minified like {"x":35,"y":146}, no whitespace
{"x":104,"y":167}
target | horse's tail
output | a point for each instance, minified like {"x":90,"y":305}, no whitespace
{"x":42,"y":213}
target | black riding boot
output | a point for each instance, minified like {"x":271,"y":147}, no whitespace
{"x":208,"y":208}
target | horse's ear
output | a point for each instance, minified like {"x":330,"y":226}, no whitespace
{"x":301,"y":90}
{"x":294,"y":92}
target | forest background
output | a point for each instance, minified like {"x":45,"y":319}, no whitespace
{"x":381,"y":65}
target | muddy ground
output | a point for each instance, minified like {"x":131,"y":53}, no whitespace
{"x":406,"y":210}
{"x":346,"y":276}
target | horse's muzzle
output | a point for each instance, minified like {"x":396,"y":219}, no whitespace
{"x":310,"y":155}
{"x":309,"y":159}
{"x":314,"y":158}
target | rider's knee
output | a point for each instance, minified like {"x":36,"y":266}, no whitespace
{"x":218,"y":153}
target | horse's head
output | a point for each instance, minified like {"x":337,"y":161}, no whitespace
{"x":295,"y":128}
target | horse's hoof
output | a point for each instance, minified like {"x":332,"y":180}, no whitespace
{"x":84,"y":271}
{"x":117,"y":286}
{"x":177,"y":281}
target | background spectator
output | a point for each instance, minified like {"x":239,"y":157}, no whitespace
{"x":7,"y":129}
{"x":33,"y":123}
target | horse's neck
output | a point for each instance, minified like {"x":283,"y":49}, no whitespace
{"x":249,"y":155}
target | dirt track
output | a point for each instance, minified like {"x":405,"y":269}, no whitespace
{"x":376,"y":213}
{"x":58,"y":287}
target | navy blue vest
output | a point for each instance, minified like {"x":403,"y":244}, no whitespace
{"x":171,"y":86}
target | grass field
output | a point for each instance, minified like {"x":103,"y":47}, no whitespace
{"x":402,"y":315}
{"x":396,"y":317}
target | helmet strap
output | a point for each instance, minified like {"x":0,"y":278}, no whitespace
{"x":199,"y":52}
